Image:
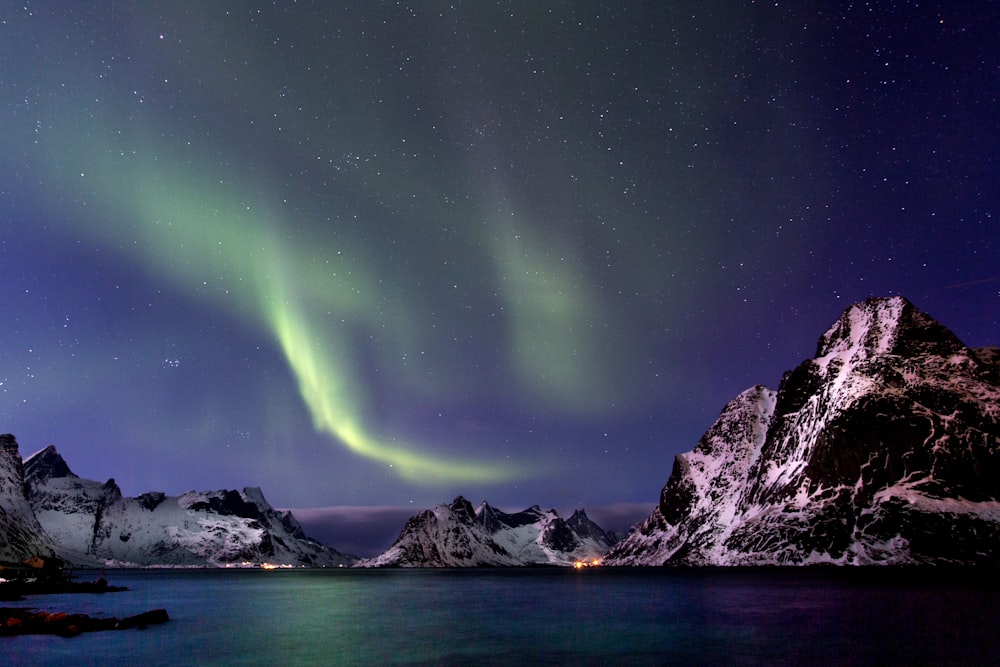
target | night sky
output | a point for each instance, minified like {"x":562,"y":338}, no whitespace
{"x":381,"y":254}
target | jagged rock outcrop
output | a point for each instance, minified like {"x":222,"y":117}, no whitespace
{"x":883,"y":448}
{"x":456,"y":535}
{"x":92,"y":523}
{"x":535,"y":536}
{"x":446,"y":536}
{"x":21,"y":536}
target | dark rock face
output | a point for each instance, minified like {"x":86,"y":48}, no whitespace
{"x":884,"y":448}
{"x":583,"y":527}
{"x":47,"y":464}
{"x":21,"y":536}
{"x":463,"y":510}
{"x":678,"y":495}
{"x":559,"y":537}
{"x":228,"y":503}
{"x":151,"y":499}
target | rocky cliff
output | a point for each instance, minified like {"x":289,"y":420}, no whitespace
{"x":457,"y":535}
{"x":883,"y":448}
{"x":21,"y":536}
{"x":92,"y":523}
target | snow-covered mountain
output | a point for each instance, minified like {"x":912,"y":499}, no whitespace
{"x":883,"y":448}
{"x":91,"y":522}
{"x":535,"y":536}
{"x":21,"y":536}
{"x":457,"y":535}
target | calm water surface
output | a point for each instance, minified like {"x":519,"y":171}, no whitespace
{"x":543,"y":616}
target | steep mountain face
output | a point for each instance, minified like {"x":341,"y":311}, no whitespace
{"x":883,"y":448}
{"x":91,"y":522}
{"x":535,"y":536}
{"x":21,"y":536}
{"x":456,"y":535}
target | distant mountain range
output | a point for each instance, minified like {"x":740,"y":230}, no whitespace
{"x":882,"y":449}
{"x":46,"y":509}
{"x":457,"y":535}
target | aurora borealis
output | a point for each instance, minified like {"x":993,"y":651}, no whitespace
{"x":377,"y":253}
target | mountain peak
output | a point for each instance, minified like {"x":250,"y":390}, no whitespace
{"x":46,"y":464}
{"x":584,"y":528}
{"x":8,"y":442}
{"x":463,"y":509}
{"x":446,"y":537}
{"x":21,"y":536}
{"x":885,"y":325}
{"x":884,"y":448}
{"x":870,"y":325}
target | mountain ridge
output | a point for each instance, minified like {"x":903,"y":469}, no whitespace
{"x":884,"y":448}
{"x":23,"y":537}
{"x":90,"y":523}
{"x":458,"y":535}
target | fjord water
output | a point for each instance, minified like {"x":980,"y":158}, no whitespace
{"x":531,"y":617}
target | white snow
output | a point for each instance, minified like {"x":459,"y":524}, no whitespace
{"x":441,"y":538}
{"x":752,"y":492}
{"x":93,"y":524}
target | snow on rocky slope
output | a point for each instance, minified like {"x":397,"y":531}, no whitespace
{"x":92,"y":523}
{"x":883,"y":448}
{"x":21,"y":536}
{"x":457,"y":535}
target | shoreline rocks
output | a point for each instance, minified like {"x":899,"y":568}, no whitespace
{"x":21,"y":621}
{"x":16,"y":621}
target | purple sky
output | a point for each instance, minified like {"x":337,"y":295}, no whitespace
{"x":385,"y":254}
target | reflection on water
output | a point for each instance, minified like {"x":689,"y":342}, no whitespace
{"x":543,"y":616}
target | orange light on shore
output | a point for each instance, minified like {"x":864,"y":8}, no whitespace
{"x":580,"y":564}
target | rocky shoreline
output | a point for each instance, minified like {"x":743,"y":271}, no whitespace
{"x":15,"y":590}
{"x":16,"y":621}
{"x":20,"y":621}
